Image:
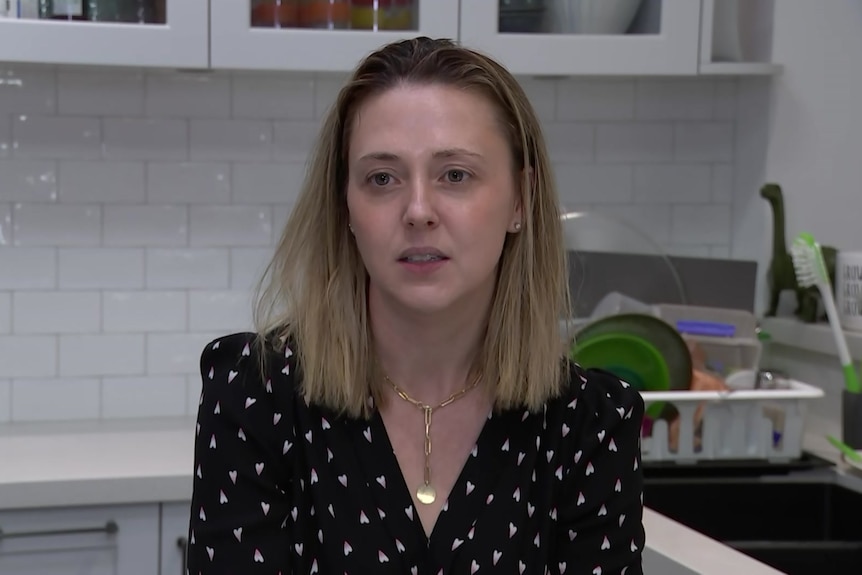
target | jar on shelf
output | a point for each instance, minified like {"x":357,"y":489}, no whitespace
{"x":275,"y":13}
{"x":382,"y":14}
{"x":327,"y":14}
{"x":63,"y":9}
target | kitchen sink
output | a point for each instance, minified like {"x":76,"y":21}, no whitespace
{"x":800,"y":527}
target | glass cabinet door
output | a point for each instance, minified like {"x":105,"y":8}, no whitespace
{"x":324,"y":35}
{"x":562,"y":37}
{"x":170,"y":33}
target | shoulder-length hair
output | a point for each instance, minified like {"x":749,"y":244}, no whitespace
{"x":314,"y":289}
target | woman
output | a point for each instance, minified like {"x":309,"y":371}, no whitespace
{"x":404,"y":406}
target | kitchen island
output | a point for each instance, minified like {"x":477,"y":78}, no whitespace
{"x":59,"y":466}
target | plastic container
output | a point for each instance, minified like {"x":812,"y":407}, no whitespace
{"x":325,"y":14}
{"x":724,"y":354}
{"x":762,"y":424}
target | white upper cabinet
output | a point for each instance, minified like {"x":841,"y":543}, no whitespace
{"x":586,"y":37}
{"x":158,"y":33}
{"x":325,"y":35}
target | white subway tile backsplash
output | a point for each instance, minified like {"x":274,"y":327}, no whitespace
{"x":28,"y":356}
{"x":28,"y":91}
{"x":225,"y":226}
{"x":188,"y":183}
{"x":108,"y":182}
{"x":542,"y":95}
{"x":267,"y":183}
{"x":100,"y":92}
{"x":5,"y":225}
{"x":143,"y":396}
{"x":326,"y":88}
{"x":5,"y":314}
{"x":722,"y":183}
{"x":672,"y":183}
{"x":578,"y":184}
{"x":220,"y":310}
{"x":146,"y":205}
{"x":144,"y":311}
{"x":701,"y":225}
{"x":56,"y":137}
{"x":725,"y":100}
{"x":176,"y":353}
{"x":679,"y":99}
{"x":5,"y":136}
{"x":55,"y":399}
{"x":85,"y":355}
{"x":101,"y":268}
{"x":273,"y":97}
{"x":196,"y":268}
{"x":5,"y":401}
{"x":146,"y":138}
{"x":293,"y":141}
{"x":593,"y":99}
{"x":187,"y":95}
{"x":49,"y":312}
{"x":28,"y":180}
{"x":231,"y":140}
{"x":28,"y":268}
{"x":570,"y":143}
{"x":52,"y":225}
{"x":247,"y":265}
{"x":143,"y":226}
{"x":634,"y":143}
{"x":704,"y":142}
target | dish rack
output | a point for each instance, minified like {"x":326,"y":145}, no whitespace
{"x":739,"y":424}
{"x":736,"y":424}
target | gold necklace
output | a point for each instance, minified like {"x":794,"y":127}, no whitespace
{"x":426,"y":494}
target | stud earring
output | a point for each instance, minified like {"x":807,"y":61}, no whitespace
{"x":517,"y":226}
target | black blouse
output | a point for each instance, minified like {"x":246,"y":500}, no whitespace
{"x":282,"y":487}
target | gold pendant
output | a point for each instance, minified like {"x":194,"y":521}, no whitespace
{"x":426,"y":494}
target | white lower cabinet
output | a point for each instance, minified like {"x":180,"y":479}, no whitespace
{"x":174,"y":537}
{"x":93,"y":540}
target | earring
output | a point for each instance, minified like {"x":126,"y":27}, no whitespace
{"x":350,"y":227}
{"x":517,"y":226}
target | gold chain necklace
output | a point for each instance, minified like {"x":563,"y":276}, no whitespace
{"x":426,"y":494}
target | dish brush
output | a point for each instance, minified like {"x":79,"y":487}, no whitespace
{"x":811,"y":271}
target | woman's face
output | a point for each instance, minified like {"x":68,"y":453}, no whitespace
{"x":431,"y":193}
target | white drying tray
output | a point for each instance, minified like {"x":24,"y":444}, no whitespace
{"x":791,"y":389}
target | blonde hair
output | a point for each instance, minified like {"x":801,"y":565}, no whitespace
{"x":314,"y":289}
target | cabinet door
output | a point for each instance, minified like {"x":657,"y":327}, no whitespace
{"x":586,"y":37}
{"x":161,"y":33}
{"x":319,"y":35}
{"x":174,"y":539}
{"x":109,"y":540}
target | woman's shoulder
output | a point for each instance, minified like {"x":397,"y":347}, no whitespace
{"x":242,"y":359}
{"x":599,"y":397}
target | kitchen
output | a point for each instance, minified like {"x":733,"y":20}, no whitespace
{"x":146,"y":168}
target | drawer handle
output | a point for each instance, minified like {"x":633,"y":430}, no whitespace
{"x":183,"y":544}
{"x":110,"y":528}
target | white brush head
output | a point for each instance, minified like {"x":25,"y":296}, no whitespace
{"x":806,"y":264}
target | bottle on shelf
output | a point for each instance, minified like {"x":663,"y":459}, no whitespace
{"x":130,"y":11}
{"x":63,"y":9}
{"x":382,"y":14}
{"x":275,"y":13}
{"x":327,"y":14}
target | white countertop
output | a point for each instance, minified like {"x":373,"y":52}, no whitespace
{"x":119,"y":462}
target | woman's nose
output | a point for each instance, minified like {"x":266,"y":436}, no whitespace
{"x":420,"y":207}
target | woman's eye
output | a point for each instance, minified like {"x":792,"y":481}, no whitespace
{"x":456,"y":176}
{"x":381,"y":179}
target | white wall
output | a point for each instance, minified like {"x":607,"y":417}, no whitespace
{"x":136,"y":209}
{"x":814,"y":145}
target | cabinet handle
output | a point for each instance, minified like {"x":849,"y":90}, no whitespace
{"x":110,"y":528}
{"x":183,"y":544}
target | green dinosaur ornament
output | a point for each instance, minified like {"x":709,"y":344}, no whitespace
{"x":781,"y":275}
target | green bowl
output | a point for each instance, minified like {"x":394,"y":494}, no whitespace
{"x":630,"y":358}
